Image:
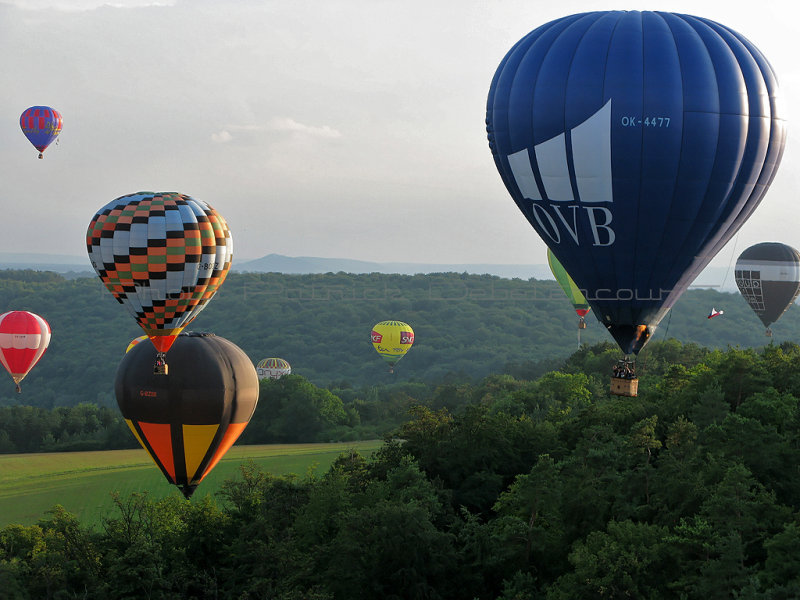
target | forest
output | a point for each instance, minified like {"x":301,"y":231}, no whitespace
{"x":466,"y":327}
{"x":504,"y":488}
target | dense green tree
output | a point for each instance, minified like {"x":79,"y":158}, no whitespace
{"x":627,"y":560}
{"x":544,"y":488}
{"x":468,"y":326}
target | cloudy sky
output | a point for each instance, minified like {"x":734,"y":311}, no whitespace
{"x":335,"y":128}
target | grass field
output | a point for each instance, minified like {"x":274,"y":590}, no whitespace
{"x":82,"y":482}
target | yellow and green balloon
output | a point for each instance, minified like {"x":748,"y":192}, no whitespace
{"x":392,"y":339}
{"x":572,"y":291}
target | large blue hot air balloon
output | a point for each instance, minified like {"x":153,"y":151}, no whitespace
{"x":636,"y":144}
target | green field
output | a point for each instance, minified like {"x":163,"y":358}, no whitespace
{"x":82,"y":482}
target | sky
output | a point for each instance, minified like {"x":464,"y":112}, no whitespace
{"x":337,"y":128}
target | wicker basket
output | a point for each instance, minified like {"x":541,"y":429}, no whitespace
{"x":621,"y":386}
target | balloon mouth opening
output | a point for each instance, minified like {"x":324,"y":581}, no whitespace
{"x":187,"y":490}
{"x":631,"y":338}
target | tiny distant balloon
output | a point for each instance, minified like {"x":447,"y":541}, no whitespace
{"x":24,"y":337}
{"x":574,"y":294}
{"x":189,"y":418}
{"x":768,"y":277}
{"x":392,"y":340}
{"x":41,"y":125}
{"x":273,"y":368}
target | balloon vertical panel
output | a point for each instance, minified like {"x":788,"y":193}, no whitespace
{"x":636,"y":144}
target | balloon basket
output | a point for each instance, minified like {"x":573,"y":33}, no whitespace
{"x":41,"y":155}
{"x":621,"y":386}
{"x":768,"y":332}
{"x":160,"y":368}
{"x":582,"y":325}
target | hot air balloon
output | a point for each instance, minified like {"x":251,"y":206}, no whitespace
{"x":41,"y":125}
{"x":24,"y":337}
{"x":571,"y":290}
{"x":768,"y":276}
{"x":135,"y":341}
{"x":392,"y":339}
{"x":636,"y":144}
{"x":188,"y":419}
{"x":163,"y":255}
{"x":273,"y":368}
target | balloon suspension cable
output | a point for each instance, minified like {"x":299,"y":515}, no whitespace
{"x":730,"y":262}
{"x":161,"y":367}
{"x":666,"y":333}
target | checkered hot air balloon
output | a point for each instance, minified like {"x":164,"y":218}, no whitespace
{"x":41,"y":125}
{"x":163,"y":255}
{"x":24,"y":337}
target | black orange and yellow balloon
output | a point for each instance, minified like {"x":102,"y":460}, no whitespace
{"x":189,"y":418}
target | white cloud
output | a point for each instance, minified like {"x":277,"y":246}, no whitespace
{"x":81,"y":5}
{"x":277,"y":124}
{"x":290,"y":125}
{"x":223,"y":137}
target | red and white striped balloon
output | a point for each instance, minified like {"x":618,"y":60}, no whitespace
{"x":24,"y":336}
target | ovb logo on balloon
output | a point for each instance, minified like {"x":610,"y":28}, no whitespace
{"x":556,"y":207}
{"x":636,"y":144}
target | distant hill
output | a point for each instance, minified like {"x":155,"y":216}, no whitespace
{"x":68,"y":266}
{"x":74,"y":266}
{"x":307,"y":265}
{"x":714,"y":277}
